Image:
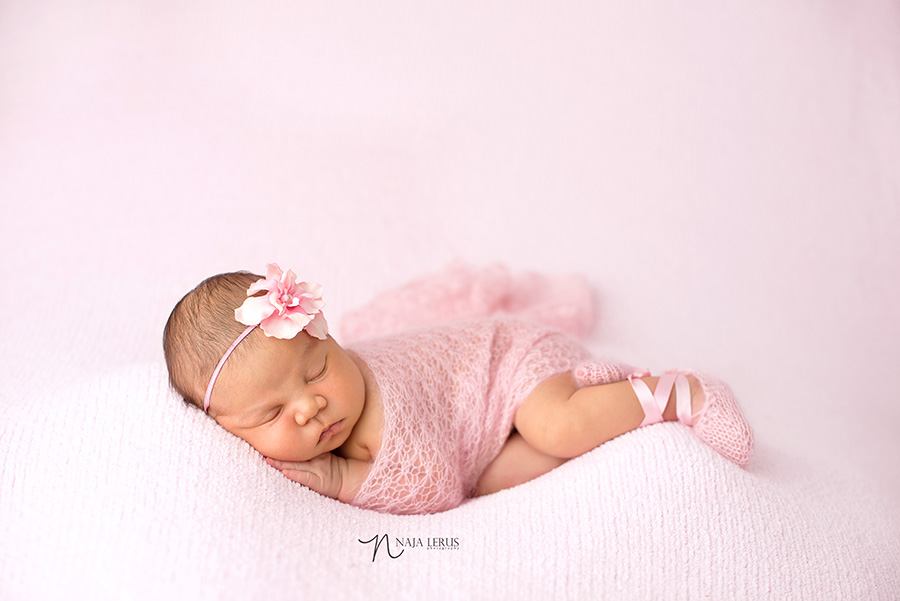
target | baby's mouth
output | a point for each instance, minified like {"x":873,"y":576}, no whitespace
{"x":331,"y":430}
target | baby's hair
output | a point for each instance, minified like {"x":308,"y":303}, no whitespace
{"x":200,"y":329}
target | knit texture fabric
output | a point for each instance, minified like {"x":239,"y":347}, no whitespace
{"x":720,"y":423}
{"x":457,"y":292}
{"x":449,"y":394}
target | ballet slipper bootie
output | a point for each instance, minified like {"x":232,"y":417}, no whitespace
{"x":719,"y":423}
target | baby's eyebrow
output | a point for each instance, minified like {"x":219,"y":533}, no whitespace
{"x":311,"y":344}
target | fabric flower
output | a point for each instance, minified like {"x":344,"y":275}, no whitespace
{"x":287,"y":309}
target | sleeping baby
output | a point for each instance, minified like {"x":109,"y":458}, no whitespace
{"x":420,"y":420}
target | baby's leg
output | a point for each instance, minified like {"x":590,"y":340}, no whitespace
{"x":517,"y":463}
{"x":562,"y":420}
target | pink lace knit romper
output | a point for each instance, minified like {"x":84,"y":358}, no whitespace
{"x":450,"y":393}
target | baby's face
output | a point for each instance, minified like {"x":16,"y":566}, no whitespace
{"x":292,"y":400}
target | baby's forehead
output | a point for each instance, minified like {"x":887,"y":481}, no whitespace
{"x":276,"y":355}
{"x":297,"y":347}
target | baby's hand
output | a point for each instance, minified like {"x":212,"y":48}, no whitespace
{"x":323,"y":474}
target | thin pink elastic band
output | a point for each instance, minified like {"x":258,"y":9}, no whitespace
{"x":212,"y":380}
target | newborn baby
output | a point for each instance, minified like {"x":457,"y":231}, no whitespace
{"x":417,"y":421}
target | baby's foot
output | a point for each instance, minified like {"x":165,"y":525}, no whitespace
{"x":715,"y":416}
{"x":698,"y":401}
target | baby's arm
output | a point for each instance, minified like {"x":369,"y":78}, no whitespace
{"x":327,"y":474}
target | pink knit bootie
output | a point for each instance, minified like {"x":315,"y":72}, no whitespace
{"x":607,"y":372}
{"x":719,"y":423}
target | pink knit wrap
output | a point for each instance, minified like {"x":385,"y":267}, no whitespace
{"x":453,"y":359}
{"x":450,"y":393}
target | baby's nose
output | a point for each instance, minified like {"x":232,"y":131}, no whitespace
{"x":309,"y":409}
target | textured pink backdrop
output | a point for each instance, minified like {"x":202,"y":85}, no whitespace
{"x":726,"y":176}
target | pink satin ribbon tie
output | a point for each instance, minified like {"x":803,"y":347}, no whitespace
{"x":654,"y":404}
{"x":212,"y":380}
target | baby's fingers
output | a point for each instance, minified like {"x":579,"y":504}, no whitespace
{"x":311,"y":480}
{"x":275,"y":463}
{"x":300,"y":477}
{"x":283,"y":465}
{"x":322,"y":474}
{"x":293,"y":471}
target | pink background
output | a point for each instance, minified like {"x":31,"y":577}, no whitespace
{"x":726,"y":176}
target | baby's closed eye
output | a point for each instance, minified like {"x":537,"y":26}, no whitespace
{"x":272,"y":415}
{"x":320,"y":373}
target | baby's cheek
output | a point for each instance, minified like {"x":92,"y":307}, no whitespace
{"x":258,"y":442}
{"x":276,"y":444}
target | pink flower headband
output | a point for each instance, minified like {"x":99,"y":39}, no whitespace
{"x":284,"y":312}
